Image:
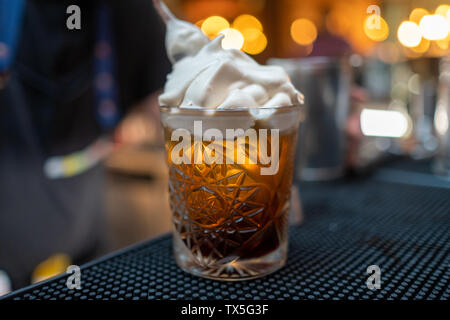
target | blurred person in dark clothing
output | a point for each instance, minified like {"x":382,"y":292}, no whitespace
{"x":62,"y":91}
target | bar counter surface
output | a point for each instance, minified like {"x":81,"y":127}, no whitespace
{"x":397,"y":218}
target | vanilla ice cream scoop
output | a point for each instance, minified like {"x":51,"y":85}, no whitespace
{"x":206,"y":75}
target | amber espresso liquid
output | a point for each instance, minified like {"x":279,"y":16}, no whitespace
{"x":230,"y":212}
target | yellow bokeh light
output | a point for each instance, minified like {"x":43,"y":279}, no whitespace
{"x":254,"y":41}
{"x":422,"y":46}
{"x":443,"y":10}
{"x":251,"y":34}
{"x":303,"y":31}
{"x":410,"y":53}
{"x":417,"y":14}
{"x":54,"y":265}
{"x":372,"y":31}
{"x":246,"y":21}
{"x":443,"y":44}
{"x":233,"y":39}
{"x":409,"y":34}
{"x":433,"y":27}
{"x":213,"y":25}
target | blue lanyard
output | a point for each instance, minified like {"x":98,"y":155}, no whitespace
{"x":106,"y":101}
{"x":11,"y":13}
{"x":105,"y":87}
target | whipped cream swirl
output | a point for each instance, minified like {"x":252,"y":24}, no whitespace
{"x":206,"y":75}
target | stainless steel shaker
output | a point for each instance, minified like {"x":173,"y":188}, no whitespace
{"x":441,"y":165}
{"x":325,"y":83}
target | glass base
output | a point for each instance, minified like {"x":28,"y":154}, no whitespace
{"x":231,"y":268}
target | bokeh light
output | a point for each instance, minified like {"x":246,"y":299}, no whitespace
{"x":410,"y":53}
{"x":233,"y":39}
{"x":252,"y":30}
{"x":342,"y":19}
{"x":409,"y":34}
{"x":213,"y":25}
{"x":414,"y":83}
{"x":422,"y":47}
{"x":433,"y":27}
{"x":246,"y":21}
{"x":374,"y":33}
{"x":441,"y":120}
{"x":255,"y":41}
{"x":417,"y":14}
{"x":443,"y":10}
{"x":383,"y":123}
{"x":443,"y":44}
{"x":355,"y":60}
{"x":303,"y":31}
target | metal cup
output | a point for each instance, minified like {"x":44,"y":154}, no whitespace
{"x":422,"y":91}
{"x":325,"y":82}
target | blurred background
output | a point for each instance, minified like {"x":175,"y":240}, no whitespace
{"x":379,"y":71}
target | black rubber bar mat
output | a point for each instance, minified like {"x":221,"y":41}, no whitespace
{"x":348,"y":226}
